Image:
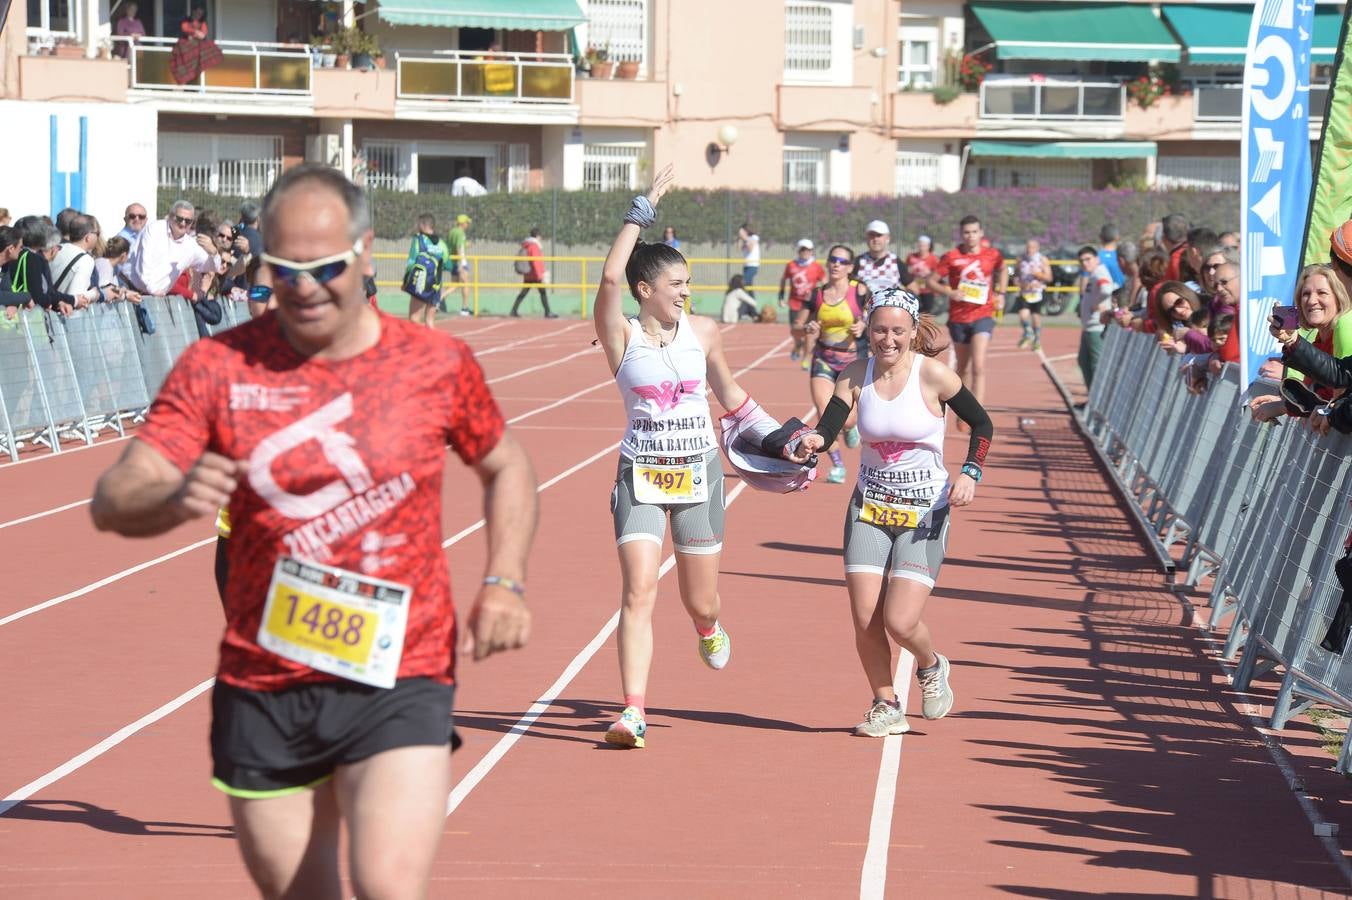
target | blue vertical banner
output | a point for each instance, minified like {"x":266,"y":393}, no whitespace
{"x":69,"y":161}
{"x":1275,"y":159}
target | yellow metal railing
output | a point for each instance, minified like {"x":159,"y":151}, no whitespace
{"x":585,"y":286}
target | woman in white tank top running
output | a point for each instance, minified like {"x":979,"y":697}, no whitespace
{"x":664,"y":363}
{"x":896,"y":527}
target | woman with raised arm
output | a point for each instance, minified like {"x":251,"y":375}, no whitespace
{"x":896,"y":527}
{"x":664,"y":363}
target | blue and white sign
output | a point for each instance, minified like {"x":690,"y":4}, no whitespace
{"x":1275,"y":159}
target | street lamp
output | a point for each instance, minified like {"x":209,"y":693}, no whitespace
{"x":727,"y":136}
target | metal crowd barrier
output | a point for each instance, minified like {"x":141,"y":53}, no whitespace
{"x":1264,"y":510}
{"x":65,"y":379}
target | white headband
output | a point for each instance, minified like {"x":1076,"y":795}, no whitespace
{"x":896,"y":297}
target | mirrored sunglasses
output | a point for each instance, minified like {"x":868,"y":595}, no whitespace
{"x":839,"y":260}
{"x":259,"y":293}
{"x":320,"y":271}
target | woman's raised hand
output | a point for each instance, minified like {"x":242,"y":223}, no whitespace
{"x":811,"y":443}
{"x":662,"y":183}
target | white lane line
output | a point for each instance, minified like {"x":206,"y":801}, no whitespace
{"x":122,"y":734}
{"x":104,"y":582}
{"x":559,"y":361}
{"x":530,"y":340}
{"x":45,"y":512}
{"x":873,"y":877}
{"x":544,"y":701}
{"x":64,"y":452}
{"x":465,"y":334}
{"x":101,"y":747}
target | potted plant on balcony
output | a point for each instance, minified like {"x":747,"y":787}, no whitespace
{"x":598,"y":61}
{"x":972,"y":71}
{"x":365,"y":48}
{"x":321,"y":48}
{"x":68,"y":48}
{"x":627,"y":68}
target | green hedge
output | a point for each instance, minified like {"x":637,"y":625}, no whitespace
{"x":1058,"y":217}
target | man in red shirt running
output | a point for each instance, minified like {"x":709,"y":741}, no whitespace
{"x":973,"y":277}
{"x":324,"y":425}
{"x":802,"y":275}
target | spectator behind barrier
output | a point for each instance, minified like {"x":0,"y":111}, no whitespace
{"x":64,"y":220}
{"x":74,"y":262}
{"x":1229,"y":292}
{"x":11,"y":244}
{"x":31,"y":270}
{"x":1173,"y":239}
{"x":114,"y":255}
{"x":1322,"y":304}
{"x":1217,"y":256}
{"x":1200,"y":240}
{"x":1175,"y":304}
{"x":166,"y":250}
{"x":1150,"y":275}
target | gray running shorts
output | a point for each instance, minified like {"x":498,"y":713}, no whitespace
{"x":695,"y":527}
{"x":914,"y":553}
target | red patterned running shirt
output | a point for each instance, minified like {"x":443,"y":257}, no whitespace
{"x":974,"y":275}
{"x":345,"y":464}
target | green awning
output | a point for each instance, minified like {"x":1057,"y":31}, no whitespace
{"x":1219,"y":35}
{"x":1112,"y":32}
{"x":1064,"y":149}
{"x":512,"y":15}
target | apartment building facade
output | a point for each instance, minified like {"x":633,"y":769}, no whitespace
{"x":837,"y":97}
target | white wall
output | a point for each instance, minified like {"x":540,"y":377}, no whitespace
{"x":120,"y":157}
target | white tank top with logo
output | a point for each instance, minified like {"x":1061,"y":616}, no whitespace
{"x":665,"y":395}
{"x":903,"y":442}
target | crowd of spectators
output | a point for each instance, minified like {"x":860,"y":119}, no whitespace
{"x":65,"y":265}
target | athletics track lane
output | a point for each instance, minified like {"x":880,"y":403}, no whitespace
{"x":86,"y":710}
{"x":1090,"y":751}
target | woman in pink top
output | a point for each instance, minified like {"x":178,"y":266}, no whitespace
{"x":129,"y":27}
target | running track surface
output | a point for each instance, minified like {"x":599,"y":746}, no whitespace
{"x":1095,"y":748}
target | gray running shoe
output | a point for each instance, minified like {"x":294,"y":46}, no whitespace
{"x":883,"y":719}
{"x":936,"y":695}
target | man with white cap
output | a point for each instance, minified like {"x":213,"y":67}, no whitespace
{"x":879,"y":268}
{"x":802,"y":275}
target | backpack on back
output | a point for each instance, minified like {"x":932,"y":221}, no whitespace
{"x":522,"y":266}
{"x":423,"y":278}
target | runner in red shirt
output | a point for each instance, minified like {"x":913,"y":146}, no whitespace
{"x":334,"y":689}
{"x":802,"y":274}
{"x":973,"y":277}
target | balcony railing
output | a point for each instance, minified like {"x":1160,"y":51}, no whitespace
{"x":1041,"y":99}
{"x":504,"y":78}
{"x":1225,"y":102}
{"x":249,"y":67}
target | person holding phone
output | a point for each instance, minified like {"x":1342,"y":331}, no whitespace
{"x":1320,"y":319}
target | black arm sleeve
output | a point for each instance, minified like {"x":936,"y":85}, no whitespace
{"x":1322,"y":368}
{"x":970,"y":411}
{"x":837,"y":411}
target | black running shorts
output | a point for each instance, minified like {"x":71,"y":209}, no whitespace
{"x":273,"y":743}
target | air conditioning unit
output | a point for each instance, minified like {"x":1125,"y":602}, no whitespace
{"x":324,"y":148}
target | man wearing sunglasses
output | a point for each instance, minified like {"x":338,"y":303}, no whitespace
{"x":325,"y":424}
{"x":166,"y":250}
{"x":133,"y":226}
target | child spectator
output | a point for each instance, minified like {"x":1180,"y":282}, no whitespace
{"x":1195,"y":339}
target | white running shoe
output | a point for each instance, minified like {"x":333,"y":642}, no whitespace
{"x":936,"y":695}
{"x":628,"y":730}
{"x":465,"y":312}
{"x":882,"y":719}
{"x":716,"y":648}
